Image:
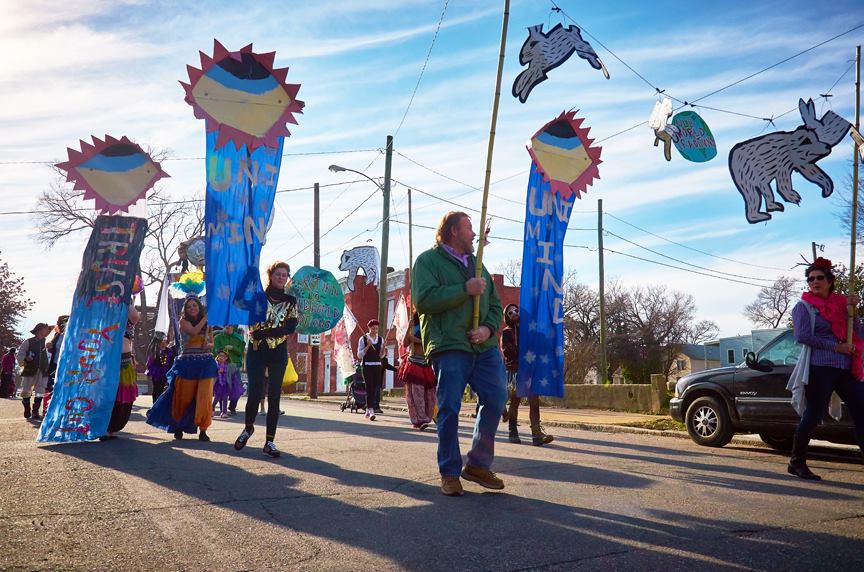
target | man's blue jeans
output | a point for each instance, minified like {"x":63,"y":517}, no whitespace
{"x":484,"y":372}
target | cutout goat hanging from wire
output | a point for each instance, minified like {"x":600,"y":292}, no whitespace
{"x":543,"y":52}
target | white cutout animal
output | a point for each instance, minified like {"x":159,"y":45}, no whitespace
{"x":543,"y":52}
{"x":755,"y":163}
{"x":663,"y":130}
{"x":365,"y":257}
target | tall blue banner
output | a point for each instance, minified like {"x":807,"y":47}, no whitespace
{"x":241,"y":187}
{"x":88,"y":372}
{"x":541,"y":297}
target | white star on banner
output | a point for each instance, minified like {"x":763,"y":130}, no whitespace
{"x":544,"y":359}
{"x":250,"y":289}
{"x":532,"y":326}
{"x":231,"y":267}
{"x":543,"y":382}
{"x":530,"y":357}
{"x":223,"y":292}
{"x":216,"y":246}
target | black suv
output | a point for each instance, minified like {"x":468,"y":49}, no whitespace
{"x":750,"y":398}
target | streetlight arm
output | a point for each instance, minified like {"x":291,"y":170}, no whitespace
{"x":339,"y":169}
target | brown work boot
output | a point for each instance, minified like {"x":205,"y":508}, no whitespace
{"x":451,"y":486}
{"x":483,"y":477}
{"x":539,"y":437}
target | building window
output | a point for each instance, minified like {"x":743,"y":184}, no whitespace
{"x":302,"y":338}
{"x":730,"y":356}
{"x":682,"y":365}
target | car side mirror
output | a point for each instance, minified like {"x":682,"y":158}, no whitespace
{"x":762,"y":365}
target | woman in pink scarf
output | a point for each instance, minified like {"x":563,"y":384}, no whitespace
{"x":835,"y":363}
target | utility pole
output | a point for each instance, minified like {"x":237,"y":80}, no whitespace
{"x":385,"y":238}
{"x":316,"y":262}
{"x":410,"y":253}
{"x":601,"y":378}
{"x":850,"y":309}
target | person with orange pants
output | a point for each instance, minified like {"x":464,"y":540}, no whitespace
{"x":186,"y":404}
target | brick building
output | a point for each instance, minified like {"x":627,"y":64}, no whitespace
{"x":363,"y":302}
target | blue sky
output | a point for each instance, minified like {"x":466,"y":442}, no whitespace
{"x":112,"y":67}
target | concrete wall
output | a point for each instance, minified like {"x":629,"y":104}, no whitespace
{"x":628,"y":397}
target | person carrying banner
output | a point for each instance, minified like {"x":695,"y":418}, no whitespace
{"x":232,"y":343}
{"x":33,"y":358}
{"x":159,"y":362}
{"x":819,"y":321}
{"x":418,"y":377}
{"x":510,"y":350}
{"x":369,"y":352}
{"x":127,"y":389}
{"x":267,"y":356}
{"x":444,"y":286}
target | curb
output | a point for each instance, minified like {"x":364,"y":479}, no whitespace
{"x":599,"y":427}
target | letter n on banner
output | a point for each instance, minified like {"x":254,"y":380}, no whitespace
{"x":241,"y":187}
{"x":541,"y":331}
{"x":88,"y":371}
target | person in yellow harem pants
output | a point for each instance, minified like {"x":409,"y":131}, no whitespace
{"x":190,"y":379}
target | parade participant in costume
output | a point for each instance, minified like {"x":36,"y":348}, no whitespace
{"x":127,"y":389}
{"x":819,"y":320}
{"x":418,"y":377}
{"x":232,"y":343}
{"x":159,"y":362}
{"x":186,"y":404}
{"x":268,"y":352}
{"x":227,"y":384}
{"x":369,"y":351}
{"x":7,"y":374}
{"x":444,"y":286}
{"x":510,"y":349}
{"x":33,"y":358}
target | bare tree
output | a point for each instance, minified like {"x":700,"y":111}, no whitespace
{"x":701,"y":332}
{"x":512,"y":271}
{"x":772,"y":303}
{"x":844,"y":213}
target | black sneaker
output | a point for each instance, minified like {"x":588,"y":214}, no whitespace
{"x":178,"y":434}
{"x":270,"y":449}
{"x":243,"y":438}
{"x":202,"y":436}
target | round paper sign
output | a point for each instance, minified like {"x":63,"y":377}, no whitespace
{"x":320,"y":302}
{"x":695,"y":141}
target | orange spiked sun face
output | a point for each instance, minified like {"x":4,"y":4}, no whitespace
{"x":565,"y":156}
{"x":242,"y":97}
{"x":115,"y":173}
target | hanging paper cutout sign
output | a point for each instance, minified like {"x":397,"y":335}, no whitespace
{"x":757,"y":162}
{"x":115,"y":173}
{"x":663,"y":130}
{"x":88,"y":372}
{"x":564,"y":155}
{"x":694,"y":139}
{"x":543,"y":52}
{"x":243,"y":97}
{"x":320,"y":302}
{"x":361,"y":257}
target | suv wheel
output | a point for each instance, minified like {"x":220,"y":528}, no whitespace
{"x":708,"y":422}
{"x":779,"y":441}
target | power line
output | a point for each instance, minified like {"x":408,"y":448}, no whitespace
{"x":301,"y":154}
{"x":607,"y":213}
{"x":495,"y":236}
{"x":684,"y":261}
{"x":423,"y":69}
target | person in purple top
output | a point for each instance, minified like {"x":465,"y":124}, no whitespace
{"x":159,"y":362}
{"x":819,"y":320}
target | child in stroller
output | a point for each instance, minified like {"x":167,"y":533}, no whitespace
{"x":355,"y":393}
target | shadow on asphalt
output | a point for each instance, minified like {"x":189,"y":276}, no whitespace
{"x":483,"y":531}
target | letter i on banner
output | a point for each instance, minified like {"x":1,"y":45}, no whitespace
{"x":246,"y":104}
{"x":563,"y":164}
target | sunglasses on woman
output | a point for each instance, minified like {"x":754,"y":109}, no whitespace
{"x":817,"y":278}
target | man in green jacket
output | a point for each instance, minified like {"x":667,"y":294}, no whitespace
{"x":444,"y":289}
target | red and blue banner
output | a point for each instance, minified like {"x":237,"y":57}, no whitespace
{"x":88,"y":372}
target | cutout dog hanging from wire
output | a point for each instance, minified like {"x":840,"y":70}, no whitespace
{"x":543,"y":52}
{"x":757,"y":162}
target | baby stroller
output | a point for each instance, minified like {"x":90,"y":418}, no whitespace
{"x":355,"y":398}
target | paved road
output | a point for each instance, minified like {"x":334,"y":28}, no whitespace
{"x":355,"y":495}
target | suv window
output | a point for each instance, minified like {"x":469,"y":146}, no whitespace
{"x":782,"y":351}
